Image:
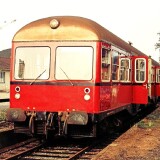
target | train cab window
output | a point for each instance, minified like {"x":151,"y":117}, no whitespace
{"x":125,"y":70}
{"x":140,"y":69}
{"x":115,"y":65}
{"x":105,"y":64}
{"x":74,"y":63}
{"x":32,"y":63}
{"x":158,"y":75}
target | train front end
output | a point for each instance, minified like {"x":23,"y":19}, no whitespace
{"x":54,"y":78}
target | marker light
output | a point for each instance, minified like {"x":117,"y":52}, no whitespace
{"x":54,"y":23}
{"x":17,"y":89}
{"x":86,"y":90}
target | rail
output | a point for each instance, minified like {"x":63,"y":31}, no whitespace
{"x":67,"y":153}
{"x":14,"y":151}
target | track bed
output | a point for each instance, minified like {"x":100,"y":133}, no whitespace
{"x":141,"y":142}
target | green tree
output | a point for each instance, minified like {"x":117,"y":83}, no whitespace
{"x":157,"y":45}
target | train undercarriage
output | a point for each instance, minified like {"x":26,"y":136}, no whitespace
{"x":74,"y":124}
{"x":51,"y":124}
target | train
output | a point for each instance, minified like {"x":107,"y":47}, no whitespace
{"x":69,"y":74}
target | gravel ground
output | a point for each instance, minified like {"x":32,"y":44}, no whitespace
{"x":141,"y":142}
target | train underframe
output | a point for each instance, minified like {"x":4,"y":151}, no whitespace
{"x":73,"y":124}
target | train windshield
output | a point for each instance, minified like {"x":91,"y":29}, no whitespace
{"x":74,"y":63}
{"x":32,"y":63}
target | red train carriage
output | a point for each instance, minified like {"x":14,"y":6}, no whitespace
{"x":69,"y":73}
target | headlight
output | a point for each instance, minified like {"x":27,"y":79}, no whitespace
{"x":80,"y":118}
{"x":87,"y":97}
{"x":17,"y":96}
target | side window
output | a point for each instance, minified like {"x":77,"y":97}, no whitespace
{"x":153,"y":75}
{"x":105,"y":64}
{"x":125,"y":71}
{"x":115,"y":65}
{"x":158,"y":75}
{"x":140,"y":69}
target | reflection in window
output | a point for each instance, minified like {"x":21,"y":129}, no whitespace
{"x":115,"y":65}
{"x":105,"y":63}
{"x":31,"y":62}
{"x":125,"y":69}
{"x":158,"y":75}
{"x":21,"y":69}
{"x":140,"y":69}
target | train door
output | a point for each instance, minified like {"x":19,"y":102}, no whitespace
{"x":140,"y":79}
{"x":149,"y":85}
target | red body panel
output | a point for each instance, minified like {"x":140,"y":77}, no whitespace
{"x":55,"y":98}
{"x":116,"y":96}
{"x":70,"y":98}
{"x":139,"y":95}
{"x":157,"y":89}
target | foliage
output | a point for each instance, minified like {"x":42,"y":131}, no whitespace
{"x":2,"y":115}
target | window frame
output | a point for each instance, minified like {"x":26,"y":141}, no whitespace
{"x":106,"y":65}
{"x":67,"y":77}
{"x":158,"y":75}
{"x":153,"y":74}
{"x":128,"y":70}
{"x":115,"y":65}
{"x":140,"y":69}
{"x":27,"y":78}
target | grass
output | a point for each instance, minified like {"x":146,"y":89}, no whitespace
{"x":2,"y":114}
{"x":151,"y":121}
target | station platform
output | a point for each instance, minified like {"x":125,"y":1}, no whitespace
{"x":141,"y":142}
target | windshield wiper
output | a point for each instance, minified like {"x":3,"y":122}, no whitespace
{"x":66,"y":76}
{"x":37,"y":77}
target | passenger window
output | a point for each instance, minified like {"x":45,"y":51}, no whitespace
{"x":153,"y":75}
{"x":105,"y":65}
{"x":158,"y":75}
{"x":115,"y":65}
{"x":140,"y":65}
{"x":125,"y":70}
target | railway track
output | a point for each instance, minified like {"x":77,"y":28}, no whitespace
{"x":34,"y":149}
{"x":74,"y":152}
{"x":66,"y":153}
{"x":19,"y":149}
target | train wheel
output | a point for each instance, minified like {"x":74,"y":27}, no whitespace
{"x":134,"y":109}
{"x":102,"y":128}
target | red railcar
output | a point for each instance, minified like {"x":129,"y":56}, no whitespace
{"x":68,"y":74}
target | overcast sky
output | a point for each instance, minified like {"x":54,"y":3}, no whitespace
{"x":137,"y":21}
